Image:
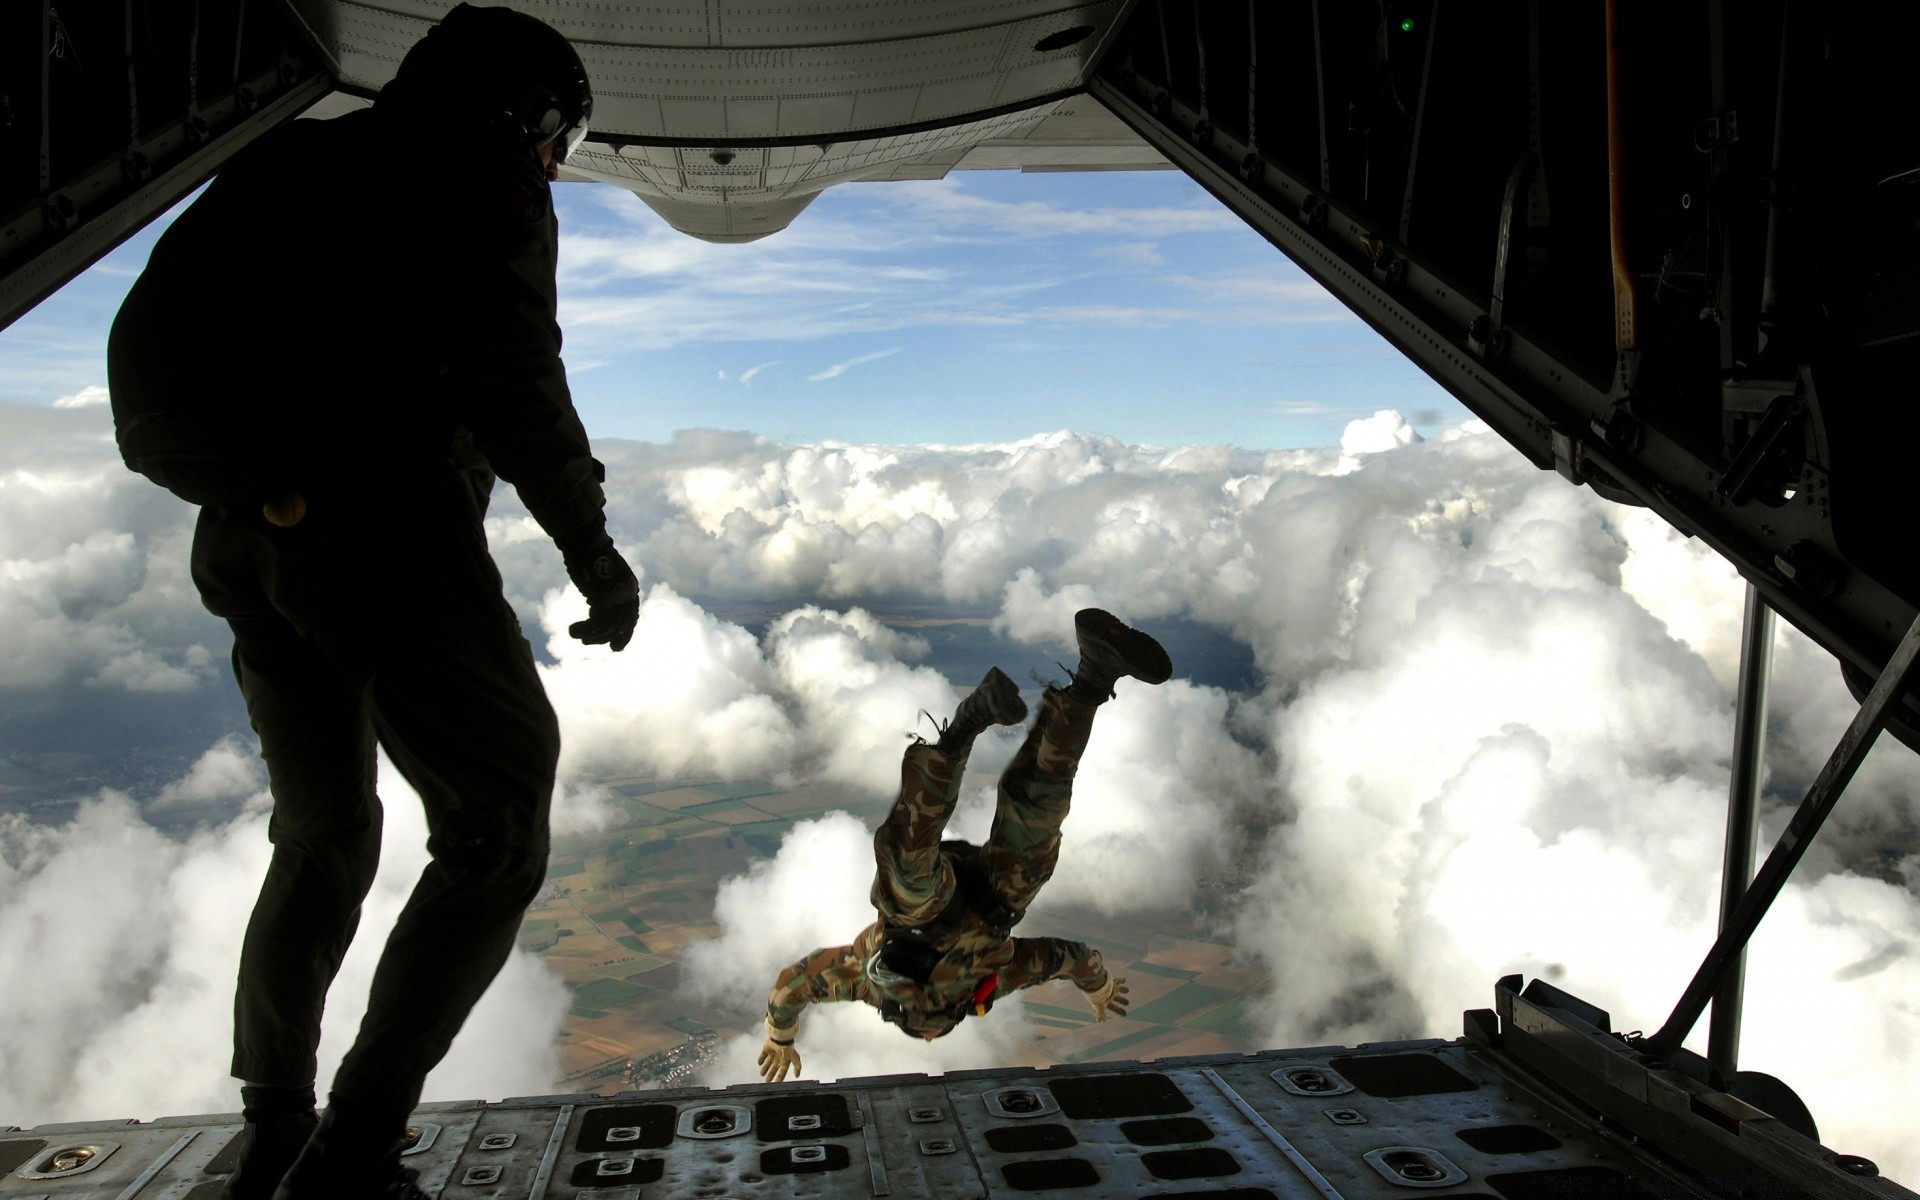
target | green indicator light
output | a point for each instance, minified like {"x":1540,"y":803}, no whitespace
{"x":1406,"y":24}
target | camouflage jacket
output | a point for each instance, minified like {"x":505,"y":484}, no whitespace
{"x":975,"y":951}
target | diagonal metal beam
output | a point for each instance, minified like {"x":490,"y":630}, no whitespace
{"x":1725,"y":957}
{"x":112,"y":208}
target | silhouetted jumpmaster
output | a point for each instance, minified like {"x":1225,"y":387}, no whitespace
{"x":332,"y":352}
{"x":943,"y":949}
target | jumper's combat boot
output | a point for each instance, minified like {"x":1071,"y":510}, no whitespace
{"x":352,"y":1155}
{"x":279,"y":1122}
{"x":995,"y":702}
{"x":1111,"y":650}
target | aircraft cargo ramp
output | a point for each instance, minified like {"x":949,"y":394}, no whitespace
{"x":1536,"y":1100}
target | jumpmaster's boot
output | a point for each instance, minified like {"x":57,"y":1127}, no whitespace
{"x":1111,"y":650}
{"x":279,"y":1122}
{"x":354,"y":1154}
{"x":995,"y":702}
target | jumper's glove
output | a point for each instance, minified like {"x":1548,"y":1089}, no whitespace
{"x":1110,"y":997}
{"x":778,"y":1055}
{"x":608,"y":583}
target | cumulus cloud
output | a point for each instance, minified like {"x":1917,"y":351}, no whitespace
{"x":228,"y":770}
{"x":690,"y":693}
{"x":93,"y":566}
{"x":115,"y":939}
{"x":121,"y":946}
{"x":1162,"y":789}
{"x":86,"y":397}
{"x":824,"y":695}
{"x":1383,"y":431}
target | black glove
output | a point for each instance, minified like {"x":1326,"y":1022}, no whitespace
{"x":608,"y":583}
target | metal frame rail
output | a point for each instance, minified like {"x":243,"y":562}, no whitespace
{"x":111,"y":112}
{"x":1743,"y":807}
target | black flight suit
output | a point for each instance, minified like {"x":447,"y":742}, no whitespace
{"x":372,"y":298}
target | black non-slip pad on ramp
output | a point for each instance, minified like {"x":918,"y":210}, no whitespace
{"x":1169,"y":1131}
{"x":1106,"y":1097}
{"x":1391,"y":1076}
{"x":1049,"y":1174}
{"x":1200,"y":1162}
{"x":1508,"y":1139}
{"x":1569,"y":1183}
{"x":14,"y":1155}
{"x":1025,"y":1139}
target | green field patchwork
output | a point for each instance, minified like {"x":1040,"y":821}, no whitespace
{"x":776,"y":827}
{"x":1082,"y":1016}
{"x":1147,"y":968}
{"x":742,"y":790}
{"x":1180,"y":1003}
{"x":639,"y":812}
{"x":1050,"y":1023}
{"x":713,"y":808}
{"x":1233,"y":1019}
{"x":647,"y":789}
{"x":1112,"y":1049}
{"x":642,"y":853}
{"x":607,"y":993}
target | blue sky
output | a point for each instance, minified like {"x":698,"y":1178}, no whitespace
{"x":984,"y":307}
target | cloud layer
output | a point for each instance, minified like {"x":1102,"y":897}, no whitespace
{"x":120,"y":946}
{"x":1490,"y":735}
{"x":93,"y":564}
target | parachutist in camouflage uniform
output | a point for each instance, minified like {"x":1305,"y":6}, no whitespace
{"x":943,"y":948}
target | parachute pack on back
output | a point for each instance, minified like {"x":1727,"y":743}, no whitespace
{"x":214,"y":380}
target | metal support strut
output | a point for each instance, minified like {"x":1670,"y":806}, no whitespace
{"x":1743,"y":806}
{"x":1716,"y":969}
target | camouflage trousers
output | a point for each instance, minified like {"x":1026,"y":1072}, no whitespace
{"x":914,"y":883}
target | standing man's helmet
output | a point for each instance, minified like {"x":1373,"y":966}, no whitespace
{"x":506,"y":64}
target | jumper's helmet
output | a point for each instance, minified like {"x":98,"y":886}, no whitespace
{"x":506,"y":63}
